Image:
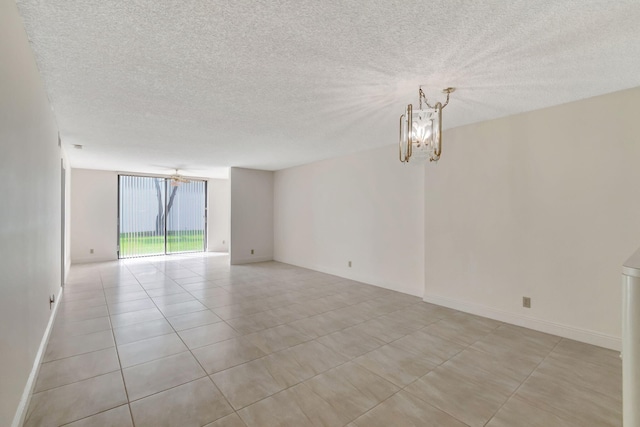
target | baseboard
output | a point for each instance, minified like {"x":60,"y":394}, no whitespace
{"x":21,"y":412}
{"x":220,"y":249}
{"x":92,"y":259}
{"x":571,"y":332}
{"x":369,"y":280}
{"x":251,"y":260}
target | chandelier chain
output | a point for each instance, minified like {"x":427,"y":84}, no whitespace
{"x":422,"y":96}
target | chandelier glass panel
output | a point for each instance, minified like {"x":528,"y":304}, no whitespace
{"x":421,"y":130}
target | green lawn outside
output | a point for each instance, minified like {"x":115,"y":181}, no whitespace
{"x":132,"y":245}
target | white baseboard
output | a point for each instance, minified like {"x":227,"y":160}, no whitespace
{"x":89,"y":260}
{"x":571,"y":332}
{"x":369,"y":280}
{"x":251,"y":260}
{"x":21,"y":412}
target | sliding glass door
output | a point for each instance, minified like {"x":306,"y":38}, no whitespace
{"x":186,"y":217}
{"x":158,"y":216}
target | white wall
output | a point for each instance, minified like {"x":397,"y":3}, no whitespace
{"x":251,"y":215}
{"x":543,"y":204}
{"x":30,"y":217}
{"x":94,"y":215}
{"x":367,"y":208}
{"x":218,"y":215}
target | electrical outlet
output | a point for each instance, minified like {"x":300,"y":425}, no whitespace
{"x":526,"y":302}
{"x":251,"y":251}
{"x":52,"y":299}
{"x":90,"y":251}
{"x":349,"y":263}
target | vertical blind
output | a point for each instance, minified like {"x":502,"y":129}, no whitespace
{"x":156,"y":217}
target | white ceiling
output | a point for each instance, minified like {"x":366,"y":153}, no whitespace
{"x":148,"y":85}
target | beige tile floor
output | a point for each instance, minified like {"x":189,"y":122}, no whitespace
{"x":189,"y":341}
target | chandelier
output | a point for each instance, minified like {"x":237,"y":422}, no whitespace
{"x":421,"y":130}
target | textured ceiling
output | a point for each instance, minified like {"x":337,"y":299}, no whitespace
{"x":148,"y":85}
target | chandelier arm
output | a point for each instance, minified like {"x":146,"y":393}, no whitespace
{"x":400,"y":141}
{"x":423,"y":96}
{"x":409,"y":138}
{"x":446,"y":102}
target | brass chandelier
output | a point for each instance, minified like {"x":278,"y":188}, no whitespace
{"x":421,"y":130}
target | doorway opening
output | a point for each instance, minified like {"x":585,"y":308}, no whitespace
{"x":159,"y":216}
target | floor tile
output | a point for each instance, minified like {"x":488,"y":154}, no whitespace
{"x":351,"y":342}
{"x":164,"y":290}
{"x":254,"y":323}
{"x":380,"y":329}
{"x":289,"y":313}
{"x":190,"y":405}
{"x":297,"y":406}
{"x":232,"y":420}
{"x":311,"y":357}
{"x":68,"y":314}
{"x":75,"y":401}
{"x":164,"y":300}
{"x":395,"y":364}
{"x":604,"y":378}
{"x":235,"y":310}
{"x":126,"y":296}
{"x":588,"y":353}
{"x":182,"y":308}
{"x":351,"y":390}
{"x":465,"y":331}
{"x":207,"y":334}
{"x":76,"y":368}
{"x":98,"y":300}
{"x":403,"y":409}
{"x":80,"y":327}
{"x":150,"y":349}
{"x":72,"y":346}
{"x":277,"y":338}
{"x":160,"y":374}
{"x":511,"y":365}
{"x":122,"y":290}
{"x":226,"y":354}
{"x":431,"y":347}
{"x":128,"y":306}
{"x":320,"y":324}
{"x":125,"y":319}
{"x":469,"y":396}
{"x":245,"y":384}
{"x":516,"y":412}
{"x":117,"y":417}
{"x":141,"y":331}
{"x":536,"y":345}
{"x":209,"y":293}
{"x":192,"y":320}
{"x":569,"y":401}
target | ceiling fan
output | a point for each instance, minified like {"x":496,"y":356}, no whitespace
{"x":177,"y":179}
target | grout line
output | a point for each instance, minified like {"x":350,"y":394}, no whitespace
{"x":124,"y":384}
{"x":97,"y":413}
{"x":206,"y":375}
{"x":524,"y":381}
